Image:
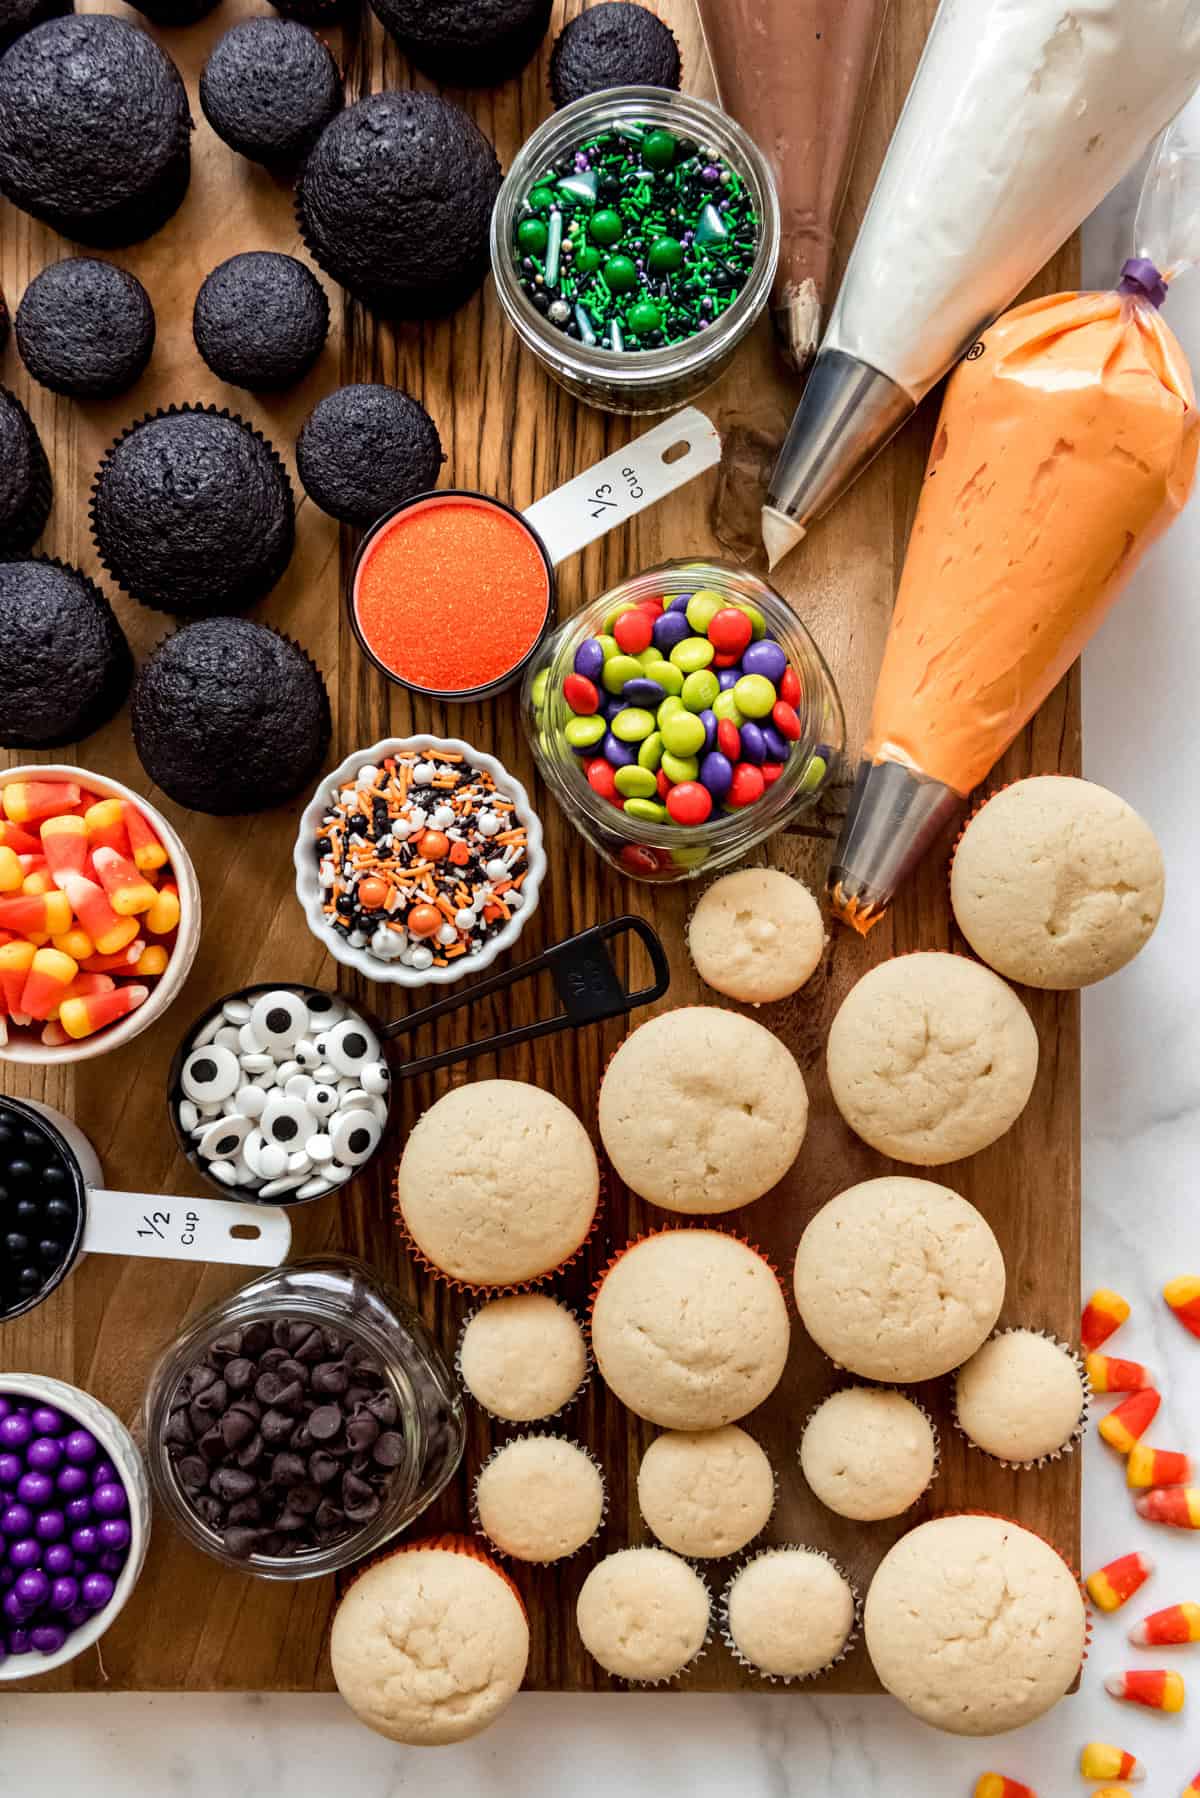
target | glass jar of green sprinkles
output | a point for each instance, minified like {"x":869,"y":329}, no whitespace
{"x":634,"y":242}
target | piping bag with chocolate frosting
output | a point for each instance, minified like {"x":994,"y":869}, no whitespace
{"x":1021,"y":116}
{"x":1067,"y":443}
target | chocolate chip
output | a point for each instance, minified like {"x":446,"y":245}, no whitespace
{"x":325,"y":1423}
{"x":178,"y":1431}
{"x":307,"y":1343}
{"x":382,"y":1406}
{"x":267,"y":1387}
{"x":249,"y":1404}
{"x":239,"y":1374}
{"x":358,"y":1499}
{"x":304,"y":1498}
{"x":291,"y":1369}
{"x":246,"y":1510}
{"x":226,"y":1347}
{"x":330,"y":1378}
{"x":269,"y":1360}
{"x":330,"y":1518}
{"x":277,"y":1426}
{"x":212,"y":1444}
{"x":362,"y":1430}
{"x":250,"y":1452}
{"x":288,"y":1469}
{"x":212,"y":1400}
{"x":289,"y":1521}
{"x":291,"y":1398}
{"x":211,"y":1510}
{"x":389,"y":1450}
{"x":242,"y":1542}
{"x":255,"y":1338}
{"x":322,"y":1466}
{"x":281,"y":1329}
{"x":193,"y":1473}
{"x":235,"y":1428}
{"x":231,"y":1483}
{"x":302,"y":1438}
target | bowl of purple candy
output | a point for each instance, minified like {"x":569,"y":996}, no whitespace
{"x":74,"y":1522}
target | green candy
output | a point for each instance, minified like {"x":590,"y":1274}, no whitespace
{"x":703,"y":607}
{"x":635,"y":783}
{"x":532,"y":235}
{"x":607,"y":226}
{"x":700,"y":689}
{"x":670,"y":707}
{"x":813,"y":775}
{"x":726,"y":706}
{"x":650,"y":752}
{"x":588,"y":259}
{"x":665,"y":256}
{"x":617,"y":670}
{"x":650,"y":810}
{"x":581,"y":733}
{"x":689,"y":858}
{"x":665,"y":673}
{"x":633,"y":724}
{"x":626,"y":605}
{"x":680,"y":767}
{"x":537,"y":691}
{"x":682,"y":733}
{"x":647,"y":657}
{"x":693,"y":654}
{"x":541,"y":197}
{"x":620,"y":272}
{"x":609,"y":645}
{"x":658,"y":149}
{"x":758,"y":623}
{"x":644,"y":317}
{"x":755,"y":695}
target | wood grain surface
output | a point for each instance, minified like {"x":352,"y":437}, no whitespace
{"x":508,"y":430}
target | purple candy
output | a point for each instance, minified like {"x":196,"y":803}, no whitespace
{"x":643,"y":692}
{"x":79,"y":1510}
{"x":708,"y":719}
{"x":25,"y":1553}
{"x":716,"y":773}
{"x":111,"y":1561}
{"x":753,"y":747}
{"x":33,"y":1588}
{"x":79,"y":1615}
{"x":681,"y":602}
{"x":48,"y":1638}
{"x":728,"y":677}
{"x":15,"y":1430}
{"x":589,"y":659}
{"x":778,"y":748}
{"x":11,"y":1467}
{"x":35,"y":1488}
{"x":104,"y":1474}
{"x":47,"y":1421}
{"x":64,"y":1594}
{"x":618,"y":754}
{"x":109,"y":1500}
{"x":18,"y":1641}
{"x":669,"y":630}
{"x":43,"y":1455}
{"x":16,"y":1520}
{"x":97,"y":1589}
{"x":114,"y":1532}
{"x":7,"y":1576}
{"x":85,"y":1541}
{"x":81,"y":1447}
{"x":58,"y":1559}
{"x":14,"y":1606}
{"x":5,"y":1406}
{"x":50,"y":1526}
{"x":72,"y":1480}
{"x":765,"y":657}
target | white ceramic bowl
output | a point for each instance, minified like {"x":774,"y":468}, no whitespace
{"x":119,"y":1448}
{"x":27,"y":1048}
{"x":308,"y":885}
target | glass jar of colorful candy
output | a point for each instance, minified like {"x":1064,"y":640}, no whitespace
{"x":682,"y":718}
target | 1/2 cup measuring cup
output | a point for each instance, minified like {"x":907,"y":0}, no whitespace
{"x":282,"y":1092}
{"x":55,"y":1207}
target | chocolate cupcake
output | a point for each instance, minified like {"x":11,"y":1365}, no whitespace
{"x":26,"y":491}
{"x":269,"y":89}
{"x":74,"y":666}
{"x":106,"y":173}
{"x":230,"y":716}
{"x":261,"y":320}
{"x":395,"y":202}
{"x":467,"y":43}
{"x":366,"y":448}
{"x":192,"y":512}
{"x":17,"y":16}
{"x":85,"y":328}
{"x":614,"y":45}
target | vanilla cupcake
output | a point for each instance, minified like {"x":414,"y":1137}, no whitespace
{"x":1022,"y":1397}
{"x":702,"y":1110}
{"x":690,"y":1329}
{"x":523,"y":1357}
{"x":498,"y":1184}
{"x":706,"y":1493}
{"x":975,"y":1624}
{"x":643,"y":1614}
{"x":868,"y":1453}
{"x":789,"y":1613}
{"x":756,"y":935}
{"x":430,"y":1643}
{"x":539,"y":1498}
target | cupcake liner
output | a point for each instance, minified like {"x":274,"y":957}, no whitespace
{"x":274,"y":570}
{"x":1076,"y":1436}
{"x":21,"y":535}
{"x":115,"y":690}
{"x":788,"y":1679}
{"x":917,"y":1406}
{"x":507,"y":1554}
{"x":524,"y":1423}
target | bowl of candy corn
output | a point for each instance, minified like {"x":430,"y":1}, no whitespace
{"x":99,"y":914}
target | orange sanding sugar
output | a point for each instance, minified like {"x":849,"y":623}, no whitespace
{"x":452,"y":594}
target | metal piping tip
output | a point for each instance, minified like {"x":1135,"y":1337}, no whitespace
{"x":847,"y":412}
{"x":780,"y":534}
{"x":796,"y":313}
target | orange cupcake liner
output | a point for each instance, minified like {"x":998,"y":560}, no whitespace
{"x":1077,"y":1434}
{"x":788,"y":1679}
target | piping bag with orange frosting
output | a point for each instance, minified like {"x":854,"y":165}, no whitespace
{"x":1067,"y":443}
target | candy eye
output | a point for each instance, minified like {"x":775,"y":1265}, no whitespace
{"x":279,"y":1019}
{"x":210,"y":1074}
{"x":266,"y":1159}
{"x":307,"y":1054}
{"x":322,"y":1101}
{"x":355,"y":1136}
{"x":223,"y":1138}
{"x":287,"y":1122}
{"x":350,"y":1046}
{"x":375,"y":1078}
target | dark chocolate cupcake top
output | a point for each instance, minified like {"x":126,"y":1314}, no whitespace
{"x":25,"y":486}
{"x":617,"y":44}
{"x":17,"y":16}
{"x":466,"y":42}
{"x":269,"y":89}
{"x":74,"y":666}
{"x":261,"y":319}
{"x":85,"y":328}
{"x":230,"y":716}
{"x":396,"y":199}
{"x":94,"y":128}
{"x":363,"y":449}
{"x":192,"y":512}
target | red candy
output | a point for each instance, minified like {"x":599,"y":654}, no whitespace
{"x":602,"y":779}
{"x":747,"y":785}
{"x":729,"y":739}
{"x":633,"y":631}
{"x":789,"y":686}
{"x":783,"y":717}
{"x":664,"y":784}
{"x":581,"y":695}
{"x":729,"y":631}
{"x":726,"y":659}
{"x":689,"y":802}
{"x":770,"y":772}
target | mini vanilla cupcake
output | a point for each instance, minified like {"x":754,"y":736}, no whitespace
{"x":498,"y":1184}
{"x":789,"y":1613}
{"x":706,"y":1493}
{"x":1022,"y":1398}
{"x":756,"y":935}
{"x":539,"y":1498}
{"x":644,"y":1615}
{"x":523,"y":1358}
{"x":868,"y":1453}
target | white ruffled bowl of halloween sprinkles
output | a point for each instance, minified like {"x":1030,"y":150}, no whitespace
{"x":419,"y":860}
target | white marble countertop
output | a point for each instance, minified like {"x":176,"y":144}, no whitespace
{"x":1141,"y":1227}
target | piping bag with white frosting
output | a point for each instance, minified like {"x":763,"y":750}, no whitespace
{"x":1067,"y":443}
{"x":1022,"y":115}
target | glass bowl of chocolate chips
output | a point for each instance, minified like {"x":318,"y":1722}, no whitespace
{"x":298,"y":1425}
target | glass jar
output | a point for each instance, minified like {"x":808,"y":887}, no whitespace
{"x":342,"y":1294}
{"x":665,"y":851}
{"x":643,"y":380}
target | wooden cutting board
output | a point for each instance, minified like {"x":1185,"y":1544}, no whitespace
{"x":506,"y":429}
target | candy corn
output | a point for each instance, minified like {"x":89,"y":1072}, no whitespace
{"x":21,"y":842}
{"x":128,"y":891}
{"x":122,"y":961}
{"x":1116,"y":1582}
{"x":1112,"y":1792}
{"x":36,"y":914}
{"x":151,"y":962}
{"x":83,"y":1017}
{"x":1172,"y":1628}
{"x":1107,"y":1374}
{"x":65,"y":845}
{"x":1176,"y":1505}
{"x":90,"y":905}
{"x":1154,"y":1688}
{"x":1130,"y":1419}
{"x":16,"y":959}
{"x":37,"y":880}
{"x":105,"y":822}
{"x":47,"y":983}
{"x":148,"y":852}
{"x":85,"y":984}
{"x":163,"y":916}
{"x":997,"y":1785}
{"x":1104,"y":1312}
{"x":1148,"y":1466}
{"x":1100,"y":1760}
{"x":28,"y":801}
{"x":74,"y":942}
{"x":54,"y":1036}
{"x":1183,"y":1296}
{"x":11,"y":871}
{"x":1193,"y":1790}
